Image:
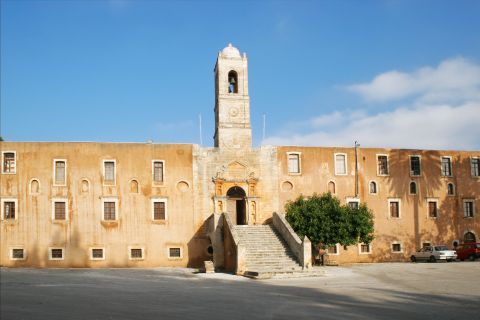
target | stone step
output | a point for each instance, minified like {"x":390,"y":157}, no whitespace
{"x":278,"y":274}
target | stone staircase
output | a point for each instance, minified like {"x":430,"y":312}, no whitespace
{"x":267,"y":254}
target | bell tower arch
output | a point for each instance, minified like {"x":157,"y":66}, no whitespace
{"x":232,"y":102}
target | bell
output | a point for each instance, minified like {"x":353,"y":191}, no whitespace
{"x":232,"y":80}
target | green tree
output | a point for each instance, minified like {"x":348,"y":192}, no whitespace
{"x":325,"y":221}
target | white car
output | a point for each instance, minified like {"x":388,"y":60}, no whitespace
{"x":434,"y":253}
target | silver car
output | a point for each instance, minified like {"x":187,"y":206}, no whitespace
{"x":434,"y":253}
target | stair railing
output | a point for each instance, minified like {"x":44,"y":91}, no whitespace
{"x":240,"y":265}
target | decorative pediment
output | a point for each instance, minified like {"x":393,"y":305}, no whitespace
{"x":236,"y":171}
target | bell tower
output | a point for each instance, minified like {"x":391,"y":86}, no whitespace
{"x":232,"y":103}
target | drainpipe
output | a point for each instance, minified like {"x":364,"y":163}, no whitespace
{"x":356,"y":168}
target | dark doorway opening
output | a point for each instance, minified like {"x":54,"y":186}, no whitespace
{"x":236,"y":205}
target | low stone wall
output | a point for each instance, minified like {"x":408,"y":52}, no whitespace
{"x":234,"y":250}
{"x":301,"y":249}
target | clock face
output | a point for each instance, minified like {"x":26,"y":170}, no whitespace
{"x":233,"y":112}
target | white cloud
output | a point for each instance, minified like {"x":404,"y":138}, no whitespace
{"x":451,"y":78}
{"x":444,"y":114}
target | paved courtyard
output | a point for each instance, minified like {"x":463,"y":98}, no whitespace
{"x":366,"y":291}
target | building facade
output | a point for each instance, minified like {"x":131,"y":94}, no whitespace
{"x":147,"y":205}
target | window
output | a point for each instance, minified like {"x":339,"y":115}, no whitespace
{"x":232,"y":82}
{"x":469,"y":237}
{"x":413,"y":188}
{"x":9,"y":164}
{"x":17,"y":254}
{"x":373,"y":187}
{"x":475,"y":166}
{"x":60,"y":172}
{"x":426,"y":244}
{"x":365,"y":248}
{"x":136,"y":253}
{"x":340,"y":164}
{"x":382,"y":165}
{"x":333,"y":250}
{"x":394,"y":208}
{"x":432,"y":209}
{"x":56,"y":254}
{"x":109,"y":172}
{"x":60,"y":209}
{"x":468,"y":208}
{"x":134,"y":186}
{"x":353,"y":203}
{"x":97,"y":254}
{"x":415,"y":165}
{"x":158,"y":171}
{"x":293,"y":162}
{"x":109,"y":210}
{"x":159,"y":209}
{"x":396,"y":247}
{"x":331,"y":187}
{"x":446,"y":166}
{"x":9,"y":207}
{"x":34,"y":186}
{"x":174,"y":252}
{"x":450,"y":189}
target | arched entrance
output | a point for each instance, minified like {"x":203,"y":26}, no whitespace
{"x":236,"y":206}
{"x":469,"y":237}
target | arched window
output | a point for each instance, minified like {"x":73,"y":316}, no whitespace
{"x":373,"y":187}
{"x":232,"y":82}
{"x":331,"y":187}
{"x":34,"y":186}
{"x":469,"y":237}
{"x":413,"y":188}
{"x":85,"y":185}
{"x":450,"y":189}
{"x":134,"y":186}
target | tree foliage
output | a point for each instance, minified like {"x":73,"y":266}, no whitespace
{"x":325,"y":221}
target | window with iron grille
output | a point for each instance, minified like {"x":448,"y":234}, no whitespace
{"x":9,"y":210}
{"x":382,"y":165}
{"x":158,"y":171}
{"x":175,"y":253}
{"x":109,"y":169}
{"x":56,"y":253}
{"x":353,"y":204}
{"x":159,"y":210}
{"x":415,"y":165}
{"x":60,"y":172}
{"x":332,"y":249}
{"x":475,"y":167}
{"x":109,"y":210}
{"x":394,"y":209}
{"x":396,"y":247}
{"x":432,"y":209}
{"x":136,"y":253}
{"x":340,"y":164}
{"x":446,"y":166}
{"x":468,"y":208}
{"x":293,"y":163}
{"x":60,"y":208}
{"x":18,"y":254}
{"x":9,"y":163}
{"x":364,"y":248}
{"x":413,"y":187}
{"x":97,"y":253}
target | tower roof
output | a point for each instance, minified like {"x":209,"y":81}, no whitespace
{"x":230,"y":52}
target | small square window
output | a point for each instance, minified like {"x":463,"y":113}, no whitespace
{"x":17,"y":254}
{"x":365,"y":248}
{"x":396,"y":247}
{"x":426,"y":244}
{"x":59,"y":210}
{"x":9,"y":210}
{"x":97,"y":254}
{"x":382,"y":165}
{"x":56,"y":254}
{"x":333,"y":250}
{"x":174,"y":252}
{"x":9,"y":165}
{"x":136,"y":253}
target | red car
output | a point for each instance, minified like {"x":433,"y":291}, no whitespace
{"x":470,"y":251}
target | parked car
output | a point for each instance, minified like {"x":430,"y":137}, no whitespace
{"x":470,"y":251}
{"x":434,"y":253}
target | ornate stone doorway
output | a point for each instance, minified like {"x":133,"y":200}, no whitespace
{"x":236,"y":205}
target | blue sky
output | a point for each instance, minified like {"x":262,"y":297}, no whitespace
{"x":386,"y":73}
